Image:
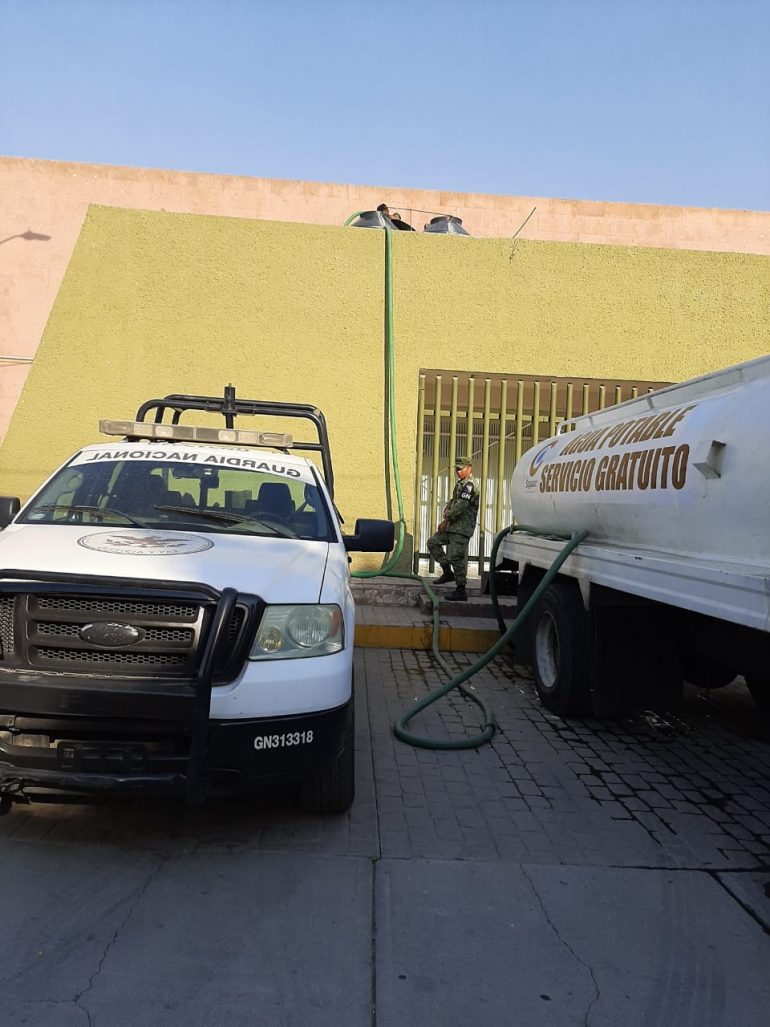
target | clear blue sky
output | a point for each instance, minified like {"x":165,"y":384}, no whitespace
{"x":650,"y":101}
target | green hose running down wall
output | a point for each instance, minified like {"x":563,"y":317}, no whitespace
{"x":456,"y":680}
{"x":389,"y":348}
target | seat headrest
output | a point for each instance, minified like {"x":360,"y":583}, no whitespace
{"x":275,"y":497}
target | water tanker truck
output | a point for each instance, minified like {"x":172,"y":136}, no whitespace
{"x":672,"y":583}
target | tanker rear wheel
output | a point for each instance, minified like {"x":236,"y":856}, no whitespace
{"x":760,"y":690}
{"x":705,"y":673}
{"x":559,"y":649}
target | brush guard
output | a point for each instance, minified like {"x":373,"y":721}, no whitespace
{"x":189,"y":697}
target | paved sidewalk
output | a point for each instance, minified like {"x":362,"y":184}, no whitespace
{"x":587,"y":873}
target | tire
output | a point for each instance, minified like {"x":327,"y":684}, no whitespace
{"x":332,"y":789}
{"x":559,"y":650}
{"x":702,"y":673}
{"x":760,"y":690}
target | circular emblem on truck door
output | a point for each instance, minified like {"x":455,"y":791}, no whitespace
{"x":144,"y":542}
{"x":114,"y":636}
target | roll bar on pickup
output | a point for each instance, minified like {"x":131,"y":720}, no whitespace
{"x":230,"y":408}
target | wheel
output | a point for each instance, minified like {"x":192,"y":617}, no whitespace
{"x":332,"y":789}
{"x":559,"y":647}
{"x":703,"y":673}
{"x":760,"y":690}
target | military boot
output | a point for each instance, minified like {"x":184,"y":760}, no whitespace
{"x":458,"y":596}
{"x":447,"y":577}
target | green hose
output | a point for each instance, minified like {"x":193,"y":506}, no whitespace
{"x":389,"y":345}
{"x":457,"y":680}
{"x":399,"y":728}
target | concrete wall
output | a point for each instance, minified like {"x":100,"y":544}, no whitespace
{"x":153,"y":303}
{"x":51,"y":198}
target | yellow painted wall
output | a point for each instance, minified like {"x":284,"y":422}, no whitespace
{"x":153,"y":303}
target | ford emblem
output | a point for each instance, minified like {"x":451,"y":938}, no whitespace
{"x":114,"y":636}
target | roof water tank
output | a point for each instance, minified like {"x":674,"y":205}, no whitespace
{"x":446,"y":224}
{"x":372,"y":219}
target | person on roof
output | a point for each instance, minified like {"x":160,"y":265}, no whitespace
{"x":399,"y":222}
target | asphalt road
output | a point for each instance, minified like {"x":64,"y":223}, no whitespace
{"x":571,"y":873}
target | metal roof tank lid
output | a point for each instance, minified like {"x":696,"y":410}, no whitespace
{"x":373,"y":219}
{"x":446,"y":224}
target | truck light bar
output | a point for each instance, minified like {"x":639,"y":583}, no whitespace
{"x":184,"y":433}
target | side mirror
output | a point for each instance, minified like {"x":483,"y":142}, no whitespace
{"x":9,"y":507}
{"x":371,"y":537}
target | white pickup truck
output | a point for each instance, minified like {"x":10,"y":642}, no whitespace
{"x":673,"y":581}
{"x":176,"y":614}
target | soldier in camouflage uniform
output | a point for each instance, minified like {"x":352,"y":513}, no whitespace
{"x":455,"y":531}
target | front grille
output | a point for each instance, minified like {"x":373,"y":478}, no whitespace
{"x":175,"y":636}
{"x":61,"y":632}
{"x":64,"y":630}
{"x":75,"y":634}
{"x":130,"y":658}
{"x":130,"y":607}
{"x":6,"y":627}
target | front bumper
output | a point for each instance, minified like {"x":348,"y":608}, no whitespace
{"x":239,"y":755}
{"x":102,"y":733}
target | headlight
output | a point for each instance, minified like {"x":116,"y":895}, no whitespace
{"x":289,"y":632}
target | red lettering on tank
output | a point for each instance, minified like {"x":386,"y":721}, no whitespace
{"x":645,"y":464}
{"x":601,"y":473}
{"x":612,"y":467}
{"x":667,"y":454}
{"x":587,"y":474}
{"x":679,"y":466}
{"x":679,"y":416}
{"x":633,"y":460}
{"x":654,"y":468}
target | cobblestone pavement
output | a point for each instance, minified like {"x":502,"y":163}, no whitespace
{"x":512,"y":861}
{"x":643,"y":790}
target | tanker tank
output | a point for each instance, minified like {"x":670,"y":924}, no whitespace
{"x":683,"y":470}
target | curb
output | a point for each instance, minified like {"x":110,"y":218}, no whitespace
{"x":403,"y":636}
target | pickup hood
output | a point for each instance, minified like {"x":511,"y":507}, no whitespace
{"x":279,"y":570}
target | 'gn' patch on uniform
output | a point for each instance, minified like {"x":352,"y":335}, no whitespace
{"x":467,"y":492}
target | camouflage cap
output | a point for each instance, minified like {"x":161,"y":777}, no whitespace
{"x":461,"y":461}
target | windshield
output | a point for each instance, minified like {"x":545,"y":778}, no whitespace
{"x":147,"y":493}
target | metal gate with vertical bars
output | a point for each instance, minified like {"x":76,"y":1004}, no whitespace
{"x":493,"y":418}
